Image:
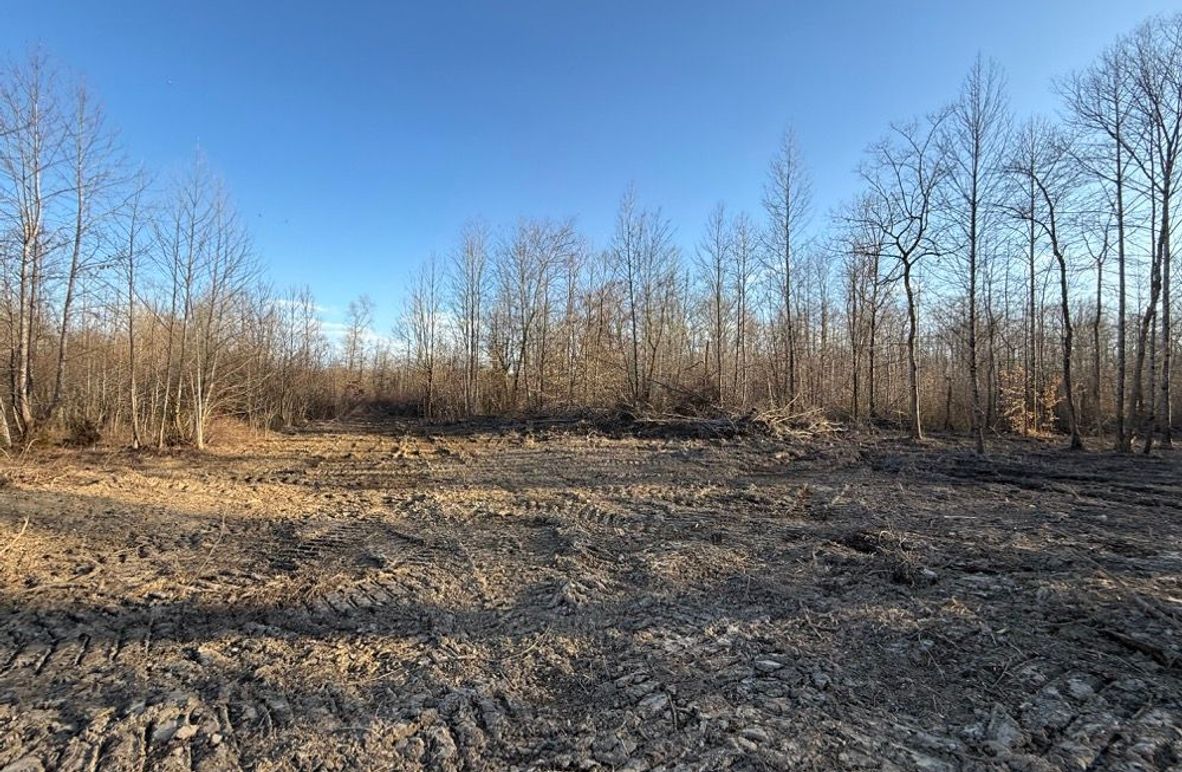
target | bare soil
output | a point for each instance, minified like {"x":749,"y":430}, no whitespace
{"x":390,"y":596}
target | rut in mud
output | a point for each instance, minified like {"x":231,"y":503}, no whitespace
{"x":374,"y":596}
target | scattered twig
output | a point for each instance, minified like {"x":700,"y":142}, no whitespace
{"x":216,"y":542}
{"x":1155,"y":652}
{"x":1144,"y":605}
{"x":16,"y":538}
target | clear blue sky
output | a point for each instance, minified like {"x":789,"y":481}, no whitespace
{"x":357,"y":137}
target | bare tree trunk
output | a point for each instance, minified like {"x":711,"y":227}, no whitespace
{"x":1031,"y":416}
{"x":133,"y":386}
{"x":1148,"y":321}
{"x":1123,"y":439}
{"x":5,"y":435}
{"x":912,"y":364}
{"x":974,"y":136}
{"x":1096,"y":349}
{"x":871,"y":380}
{"x":1068,"y":333}
{"x":1165,"y":414}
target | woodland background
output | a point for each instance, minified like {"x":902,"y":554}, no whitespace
{"x":997,"y":274}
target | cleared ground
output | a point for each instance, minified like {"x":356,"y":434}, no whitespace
{"x":377,"y":596}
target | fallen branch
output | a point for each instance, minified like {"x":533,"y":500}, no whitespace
{"x":1153,"y":651}
{"x":1132,"y":594}
{"x":803,"y":424}
{"x":16,"y":538}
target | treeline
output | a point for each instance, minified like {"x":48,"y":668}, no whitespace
{"x":995,"y":274}
{"x":128,"y":304}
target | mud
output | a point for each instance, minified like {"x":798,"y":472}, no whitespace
{"x":373,"y":595}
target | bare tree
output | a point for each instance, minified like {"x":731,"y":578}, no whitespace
{"x":787,"y":201}
{"x":358,"y":325}
{"x":131,"y":258}
{"x":426,"y":305}
{"x":1157,"y":97}
{"x":645,"y":260}
{"x":1055,"y":176}
{"x":975,"y":141}
{"x":1097,"y":242}
{"x":902,"y":174}
{"x":1099,"y":104}
{"x":469,"y":286}
{"x":714,"y":256}
{"x":223,"y":281}
{"x":862,"y":249}
{"x":30,"y":156}
{"x":91,"y":151}
{"x":526,"y":276}
{"x":742,"y":277}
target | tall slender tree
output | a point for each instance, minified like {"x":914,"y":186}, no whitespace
{"x":903,"y":172}
{"x":975,"y":141}
{"x":787,"y":202}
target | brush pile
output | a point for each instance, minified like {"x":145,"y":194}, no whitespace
{"x":781,"y":423}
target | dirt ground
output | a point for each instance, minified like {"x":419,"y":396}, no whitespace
{"x":387,"y":596}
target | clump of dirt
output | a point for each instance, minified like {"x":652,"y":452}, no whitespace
{"x":394,"y":595}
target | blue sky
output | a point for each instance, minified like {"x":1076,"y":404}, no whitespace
{"x":357,"y":137}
